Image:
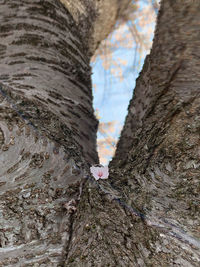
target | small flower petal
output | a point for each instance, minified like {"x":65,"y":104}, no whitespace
{"x":94,"y":172}
{"x":105,"y":173}
{"x":99,"y":172}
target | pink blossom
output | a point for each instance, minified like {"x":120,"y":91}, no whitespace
{"x":99,"y":172}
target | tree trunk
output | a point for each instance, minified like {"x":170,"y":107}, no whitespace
{"x":148,"y":212}
{"x":47,"y":129}
{"x":156,"y":166}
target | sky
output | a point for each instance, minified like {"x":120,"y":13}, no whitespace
{"x":115,"y":69}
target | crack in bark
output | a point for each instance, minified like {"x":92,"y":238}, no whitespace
{"x":160,"y":223}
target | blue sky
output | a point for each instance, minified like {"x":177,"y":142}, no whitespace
{"x":112,"y":96}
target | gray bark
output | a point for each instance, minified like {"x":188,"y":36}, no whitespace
{"x":47,"y":126}
{"x":156,"y":166}
{"x":147,"y":214}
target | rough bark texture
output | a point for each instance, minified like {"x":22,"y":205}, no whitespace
{"x":47,"y":129}
{"x":47,"y":139}
{"x":156,"y":167}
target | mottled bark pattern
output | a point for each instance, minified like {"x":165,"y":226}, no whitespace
{"x":43,"y":58}
{"x":156,"y":167}
{"x":47,"y":137}
{"x":47,"y":130}
{"x":160,"y":163}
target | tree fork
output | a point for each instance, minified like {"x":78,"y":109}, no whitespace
{"x":50,"y":137}
{"x":156,"y":166}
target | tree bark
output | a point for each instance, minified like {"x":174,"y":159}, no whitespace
{"x":147,"y":214}
{"x":96,"y":19}
{"x":156,"y":167}
{"x":47,"y":129}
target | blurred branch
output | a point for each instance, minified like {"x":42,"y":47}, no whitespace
{"x":133,"y":33}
